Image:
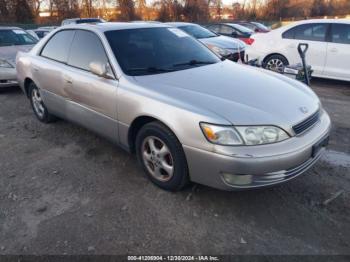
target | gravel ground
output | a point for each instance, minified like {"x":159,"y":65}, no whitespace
{"x":64,"y":190}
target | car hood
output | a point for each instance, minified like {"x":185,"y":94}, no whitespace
{"x":9,"y":52}
{"x":224,"y":42}
{"x":241,"y":94}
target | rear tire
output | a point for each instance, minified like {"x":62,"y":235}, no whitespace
{"x":275,"y":63}
{"x":162,"y":157}
{"x":38,"y":105}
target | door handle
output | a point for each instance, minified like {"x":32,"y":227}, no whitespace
{"x":36,"y":69}
{"x":333,"y":50}
{"x":292,"y":46}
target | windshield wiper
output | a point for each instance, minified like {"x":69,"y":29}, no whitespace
{"x":150,"y":69}
{"x":194,"y":62}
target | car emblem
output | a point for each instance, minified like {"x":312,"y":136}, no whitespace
{"x":303,"y":109}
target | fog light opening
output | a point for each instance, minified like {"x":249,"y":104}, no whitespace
{"x":239,"y":180}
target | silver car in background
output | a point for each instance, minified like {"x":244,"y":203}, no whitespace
{"x":188,"y":115}
{"x":12,"y":40}
{"x":226,"y":47}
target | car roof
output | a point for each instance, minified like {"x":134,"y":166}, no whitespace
{"x":109,"y":26}
{"x":176,"y":24}
{"x":336,"y":21}
{"x":310,"y":21}
{"x":10,"y":28}
{"x":77,"y":19}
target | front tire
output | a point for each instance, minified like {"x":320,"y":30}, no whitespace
{"x":162,"y":157}
{"x":38,"y":105}
{"x":276,"y":63}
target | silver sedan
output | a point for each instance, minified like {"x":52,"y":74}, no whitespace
{"x":12,"y":40}
{"x":186,"y":114}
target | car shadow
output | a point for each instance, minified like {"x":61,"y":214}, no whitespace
{"x":10,"y":90}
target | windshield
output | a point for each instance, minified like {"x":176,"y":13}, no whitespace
{"x":197,"y":31}
{"x":16,"y":37}
{"x":148,"y":51}
{"x":243,"y":29}
{"x":90,"y":20}
{"x":261,"y":26}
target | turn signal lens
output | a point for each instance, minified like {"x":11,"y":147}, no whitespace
{"x":221,"y":135}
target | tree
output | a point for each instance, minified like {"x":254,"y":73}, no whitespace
{"x":141,"y":8}
{"x":127,"y":10}
{"x":23,"y":12}
{"x":196,"y":10}
{"x":4,"y":12}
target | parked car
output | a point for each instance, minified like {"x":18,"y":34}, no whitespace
{"x":224,"y":46}
{"x":33,"y":34}
{"x":12,"y":40}
{"x":328,"y":53}
{"x":41,"y":32}
{"x":187,"y":115}
{"x":82,"y":21}
{"x":146,"y":21}
{"x":254,"y":26}
{"x":232,"y":30}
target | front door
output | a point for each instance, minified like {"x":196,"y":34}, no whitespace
{"x":93,"y":99}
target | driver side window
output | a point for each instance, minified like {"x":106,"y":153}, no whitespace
{"x":86,"y":48}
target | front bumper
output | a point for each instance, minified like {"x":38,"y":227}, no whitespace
{"x":258,"y":166}
{"x":8,"y":77}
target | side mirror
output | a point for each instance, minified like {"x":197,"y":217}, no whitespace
{"x":101,"y":70}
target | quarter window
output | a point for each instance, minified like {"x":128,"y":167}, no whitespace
{"x":57,"y":47}
{"x":289,"y":34}
{"x":341,"y":33}
{"x":86,"y":48}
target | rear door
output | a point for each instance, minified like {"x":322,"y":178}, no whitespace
{"x":48,"y":71}
{"x":314,"y":34}
{"x":93,"y":98}
{"x":338,"y":52}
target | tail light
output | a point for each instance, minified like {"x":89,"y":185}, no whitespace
{"x":248,"y":41}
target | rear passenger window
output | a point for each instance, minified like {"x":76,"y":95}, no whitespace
{"x":312,"y":32}
{"x":341,"y":33}
{"x":86,"y":48}
{"x":226,"y":30}
{"x":57,"y":47}
{"x":214,"y":28}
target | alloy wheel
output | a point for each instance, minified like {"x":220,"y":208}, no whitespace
{"x":275,"y":65}
{"x":38,"y":103}
{"x":157,"y":158}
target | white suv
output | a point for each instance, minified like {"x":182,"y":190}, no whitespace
{"x":328,"y":53}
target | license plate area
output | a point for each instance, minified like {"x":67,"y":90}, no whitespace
{"x":319,"y":145}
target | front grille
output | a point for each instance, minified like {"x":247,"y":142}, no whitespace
{"x":307,"y":123}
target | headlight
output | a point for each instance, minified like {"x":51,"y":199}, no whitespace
{"x":243,"y":135}
{"x":221,"y":135}
{"x":258,"y":135}
{"x":219,"y":50}
{"x":5,"y":64}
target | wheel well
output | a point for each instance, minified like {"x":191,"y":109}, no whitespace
{"x":135,"y":127}
{"x":268,"y":56}
{"x":27,"y":82}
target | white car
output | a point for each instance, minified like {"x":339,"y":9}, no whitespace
{"x":328,"y":53}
